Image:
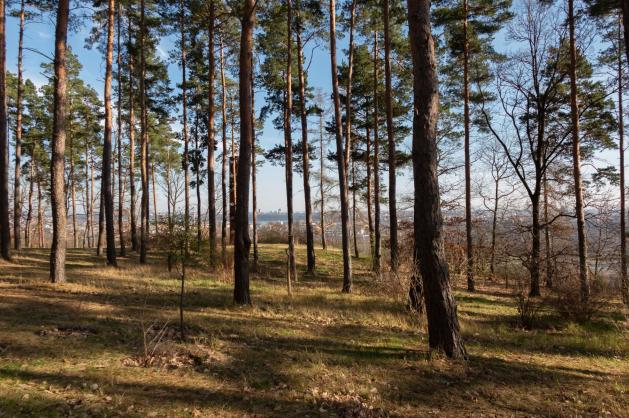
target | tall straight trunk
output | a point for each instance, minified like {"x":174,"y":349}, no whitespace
{"x":224,"y":159}
{"x":576,"y":161}
{"x":310,"y":252}
{"x":58,"y":249}
{"x":186,"y":145}
{"x":348,"y":87}
{"x":376,"y":162}
{"x":5,"y":235}
{"x":369,"y":189}
{"x":106,"y":188}
{"x":132,"y":191}
{"x":429,"y":256}
{"x":356,"y":253}
{"x":536,"y":229}
{"x":40,"y":215}
{"x":101,"y":222}
{"x":242,"y":242}
{"x":254,"y":186}
{"x":232,"y":177}
{"x":86,"y":202}
{"x":347,"y":261}
{"x":17,"y":184}
{"x":321,"y":177}
{"x":494,"y":226}
{"x":211,"y":160}
{"x":468,"y":175}
{"x":144,"y":205}
{"x":625,"y":20}
{"x":288,"y":146}
{"x":391,"y":140}
{"x":73,"y":196}
{"x":198,"y":182}
{"x":154,"y":191}
{"x":621,"y":149}
{"x":123,"y":250}
{"x":29,"y":213}
{"x":547,"y":241}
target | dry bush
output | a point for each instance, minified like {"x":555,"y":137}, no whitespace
{"x":566,"y":296}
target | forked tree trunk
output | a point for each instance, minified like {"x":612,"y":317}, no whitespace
{"x":576,"y":161}
{"x":310,"y":252}
{"x":288,"y":146}
{"x":58,"y":249}
{"x":391,"y":141}
{"x":5,"y":235}
{"x":106,"y":188}
{"x":242,"y":242}
{"x":211,"y":161}
{"x":17,"y":183}
{"x":376,"y":162}
{"x":347,"y":261}
{"x":443,"y":324}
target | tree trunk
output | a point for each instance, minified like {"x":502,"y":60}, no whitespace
{"x":254,"y":185}
{"x":101,"y":223}
{"x":391,"y":141}
{"x":321,"y":177}
{"x":535,"y":246}
{"x":242,"y":242}
{"x":310,"y":252}
{"x":625,"y":19}
{"x":58,"y":250}
{"x":106,"y":187}
{"x":211,"y":161}
{"x":356,"y":253}
{"x":347,"y":262}
{"x":198,"y":182}
{"x":154,"y":191}
{"x":576,"y":161}
{"x":621,"y":148}
{"x":123,"y":251}
{"x":132,"y":191}
{"x":144,"y":205}
{"x":443,"y":324}
{"x":288,"y":146}
{"x":40,"y":215}
{"x":376,"y":162}
{"x":468,"y":174}
{"x":5,"y":235}
{"x":17,"y":184}
{"x":186,"y":145}
{"x":549,"y":269}
{"x":224,"y":160}
{"x":369,"y":188}
{"x":232,"y":177}
{"x":494,"y":226}
{"x":73,"y":196}
{"x":29,"y":213}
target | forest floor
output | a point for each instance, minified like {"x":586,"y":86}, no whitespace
{"x":79,"y":349}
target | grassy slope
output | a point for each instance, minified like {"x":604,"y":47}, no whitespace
{"x":73,"y":349}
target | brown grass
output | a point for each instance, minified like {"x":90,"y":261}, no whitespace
{"x":76,"y":349}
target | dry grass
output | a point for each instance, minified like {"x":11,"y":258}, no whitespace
{"x":76,"y":349}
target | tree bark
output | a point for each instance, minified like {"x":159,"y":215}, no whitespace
{"x":443,"y":325}
{"x":621,"y":148}
{"x":224,"y":159}
{"x":58,"y":249}
{"x":123,"y":251}
{"x":132,"y":191}
{"x":17,"y":184}
{"x":186,"y":145}
{"x":254,"y":185}
{"x":468,"y":174}
{"x":321,"y":177}
{"x":211,"y":160}
{"x":29,"y":213}
{"x":549,"y":269}
{"x":356,"y":252}
{"x":73,"y":196}
{"x":369,"y":189}
{"x":288,"y":145}
{"x":106,"y":188}
{"x":242,"y":242}
{"x":376,"y":162}
{"x":144,"y":159}
{"x":391,"y":141}
{"x":310,"y":252}
{"x":5,"y":235}
{"x":347,"y":262}
{"x":576,"y":161}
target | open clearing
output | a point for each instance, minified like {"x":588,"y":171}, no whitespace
{"x":77,"y":349}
